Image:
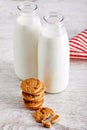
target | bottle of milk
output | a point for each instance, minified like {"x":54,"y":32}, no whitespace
{"x":26,"y":36}
{"x":53,"y":54}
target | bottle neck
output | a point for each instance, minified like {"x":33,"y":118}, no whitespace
{"x":53,"y":25}
{"x":54,"y":19}
{"x":27,"y":9}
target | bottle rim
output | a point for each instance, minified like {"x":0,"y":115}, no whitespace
{"x":53,"y":18}
{"x":27,"y":7}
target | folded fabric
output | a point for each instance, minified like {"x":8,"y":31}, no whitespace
{"x":78,"y":46}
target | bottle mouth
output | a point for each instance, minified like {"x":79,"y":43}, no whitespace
{"x":53,"y":18}
{"x":27,"y":7}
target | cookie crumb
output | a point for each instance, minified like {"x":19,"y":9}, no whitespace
{"x":55,"y":118}
{"x":46,"y":124}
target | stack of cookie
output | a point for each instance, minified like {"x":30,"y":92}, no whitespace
{"x":33,"y":93}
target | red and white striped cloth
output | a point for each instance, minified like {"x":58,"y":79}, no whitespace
{"x":78,"y":46}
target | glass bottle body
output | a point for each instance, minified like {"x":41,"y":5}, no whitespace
{"x":53,"y":56}
{"x":27,"y":30}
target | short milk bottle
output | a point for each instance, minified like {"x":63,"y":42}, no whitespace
{"x":53,"y":54}
{"x":26,"y":36}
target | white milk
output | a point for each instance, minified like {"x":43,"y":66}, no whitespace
{"x":53,"y":58}
{"x":26,"y":36}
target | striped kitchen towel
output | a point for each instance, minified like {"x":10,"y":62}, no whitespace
{"x":78,"y":46}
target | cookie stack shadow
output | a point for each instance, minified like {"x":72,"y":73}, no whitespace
{"x":33,"y":93}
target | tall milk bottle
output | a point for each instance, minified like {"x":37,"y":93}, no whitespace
{"x":26,"y":36}
{"x":53,"y":54}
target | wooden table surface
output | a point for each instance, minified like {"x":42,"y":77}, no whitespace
{"x":70,"y":104}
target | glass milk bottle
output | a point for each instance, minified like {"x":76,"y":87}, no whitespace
{"x":26,"y":36}
{"x":53,"y":54}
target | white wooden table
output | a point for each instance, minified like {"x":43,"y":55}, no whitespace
{"x":72,"y":103}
